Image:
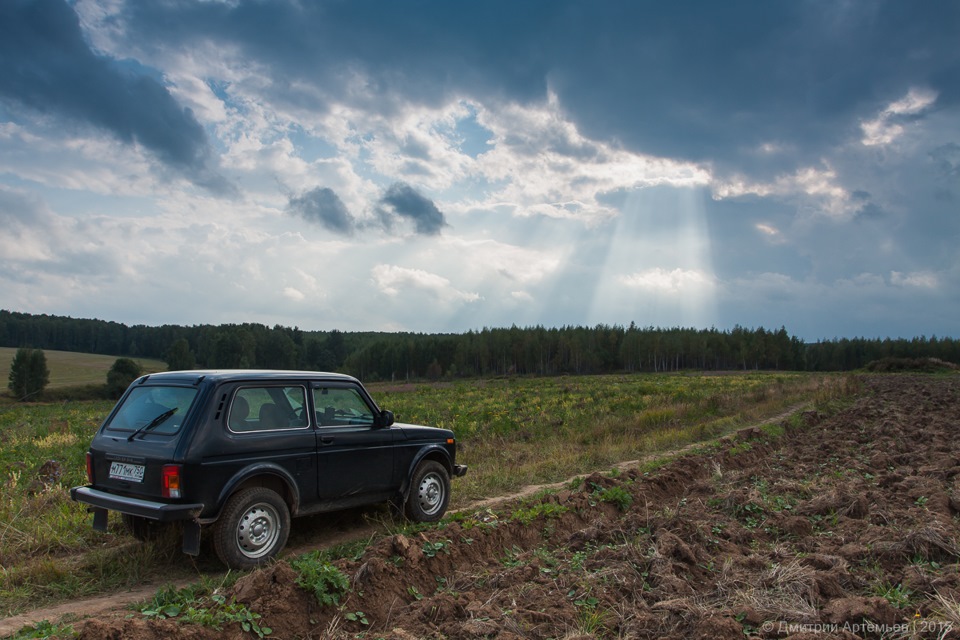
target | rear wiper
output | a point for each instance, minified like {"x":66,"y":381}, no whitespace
{"x":156,"y":422}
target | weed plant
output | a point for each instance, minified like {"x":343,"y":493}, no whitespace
{"x":512,"y":432}
{"x":48,"y":549}
{"x":318,"y":576}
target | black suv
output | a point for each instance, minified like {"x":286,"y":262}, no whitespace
{"x":246,"y":450}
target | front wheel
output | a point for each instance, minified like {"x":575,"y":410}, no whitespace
{"x":252,"y":528}
{"x":429,"y":492}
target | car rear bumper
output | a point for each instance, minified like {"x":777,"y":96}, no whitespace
{"x":459,"y":470}
{"x":101,"y":501}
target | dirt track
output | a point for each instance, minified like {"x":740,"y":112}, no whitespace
{"x":844,"y":527}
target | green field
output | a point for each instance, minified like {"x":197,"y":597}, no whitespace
{"x":512,"y":432}
{"x":69,"y":369}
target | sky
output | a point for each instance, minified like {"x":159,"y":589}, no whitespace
{"x":445,"y":166}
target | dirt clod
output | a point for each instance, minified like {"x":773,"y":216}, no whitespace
{"x":846,"y":520}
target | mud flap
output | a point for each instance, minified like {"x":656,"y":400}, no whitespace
{"x":191,"y":537}
{"x":99,"y":519}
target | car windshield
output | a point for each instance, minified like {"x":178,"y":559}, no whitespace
{"x":167,"y":406}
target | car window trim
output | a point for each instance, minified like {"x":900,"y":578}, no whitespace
{"x":233,"y":395}
{"x":108,"y":423}
{"x":360,"y":391}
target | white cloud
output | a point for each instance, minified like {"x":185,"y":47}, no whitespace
{"x":547,"y":167}
{"x":293,"y":294}
{"x":916,"y":279}
{"x":664,"y":281}
{"x":76,"y":160}
{"x":480,"y":259}
{"x":885,"y":128}
{"x":393,"y":280}
{"x":771,"y":233}
{"x":818,"y":186}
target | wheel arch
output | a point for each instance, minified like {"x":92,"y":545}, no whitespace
{"x":435,"y":453}
{"x":266,"y":475}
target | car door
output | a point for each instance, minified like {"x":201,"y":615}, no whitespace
{"x":266,"y":426}
{"x":355,"y":456}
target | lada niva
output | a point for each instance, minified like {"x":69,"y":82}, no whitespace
{"x":241,"y":452}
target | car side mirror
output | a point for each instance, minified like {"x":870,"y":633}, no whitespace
{"x":385,"y":419}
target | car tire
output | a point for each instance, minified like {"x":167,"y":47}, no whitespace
{"x":429,"y":492}
{"x":252,"y":528}
{"x":144,"y":529}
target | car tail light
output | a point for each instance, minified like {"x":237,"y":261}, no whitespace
{"x":89,"y":467}
{"x":170,"y":487}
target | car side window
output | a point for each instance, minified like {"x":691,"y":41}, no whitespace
{"x":341,"y":406}
{"x":267,"y":409}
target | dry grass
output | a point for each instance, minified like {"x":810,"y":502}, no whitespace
{"x":69,"y":369}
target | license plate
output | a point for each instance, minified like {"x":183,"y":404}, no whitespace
{"x":124,"y":471}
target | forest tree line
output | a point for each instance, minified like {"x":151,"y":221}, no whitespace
{"x":488,"y":352}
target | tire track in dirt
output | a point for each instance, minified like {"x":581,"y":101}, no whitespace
{"x":321,"y":537}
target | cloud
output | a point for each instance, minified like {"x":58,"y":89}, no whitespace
{"x":293,"y":294}
{"x":771,"y":232}
{"x":324,"y":207}
{"x":403,"y":201}
{"x":663,"y":281}
{"x":561,"y":172}
{"x":918,"y":279}
{"x":398,"y":203}
{"x":49,"y":68}
{"x":888,"y":126}
{"x":391,"y":280}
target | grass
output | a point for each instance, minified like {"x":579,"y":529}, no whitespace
{"x":69,"y":369}
{"x":512,"y":432}
{"x":515,"y":432}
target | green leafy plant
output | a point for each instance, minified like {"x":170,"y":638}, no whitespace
{"x":223,"y":613}
{"x":511,"y":557}
{"x":615,"y":495}
{"x":195,"y":604}
{"x":327,"y":583}
{"x":897,"y":595}
{"x":545,"y":509}
{"x":431,"y":549}
{"x":44,"y":630}
{"x":590,"y":618}
{"x":357,"y":616}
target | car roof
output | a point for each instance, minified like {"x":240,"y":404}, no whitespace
{"x":196,"y":376}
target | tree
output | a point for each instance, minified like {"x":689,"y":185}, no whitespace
{"x":29,"y":374}
{"x":179,"y":357}
{"x":121,"y":374}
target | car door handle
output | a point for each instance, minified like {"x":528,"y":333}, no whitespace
{"x":326,"y":439}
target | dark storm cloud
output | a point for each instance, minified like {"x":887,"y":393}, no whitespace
{"x":405,"y":202}
{"x":48,"y":66}
{"x":400,"y":202}
{"x":698,"y":80}
{"x":324,"y":207}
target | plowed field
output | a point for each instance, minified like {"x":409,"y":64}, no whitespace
{"x":843,"y":526}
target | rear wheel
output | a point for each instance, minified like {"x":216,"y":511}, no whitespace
{"x":144,"y":529}
{"x":429,"y":492}
{"x":252,"y":528}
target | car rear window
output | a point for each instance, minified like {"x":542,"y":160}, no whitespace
{"x":146,"y":404}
